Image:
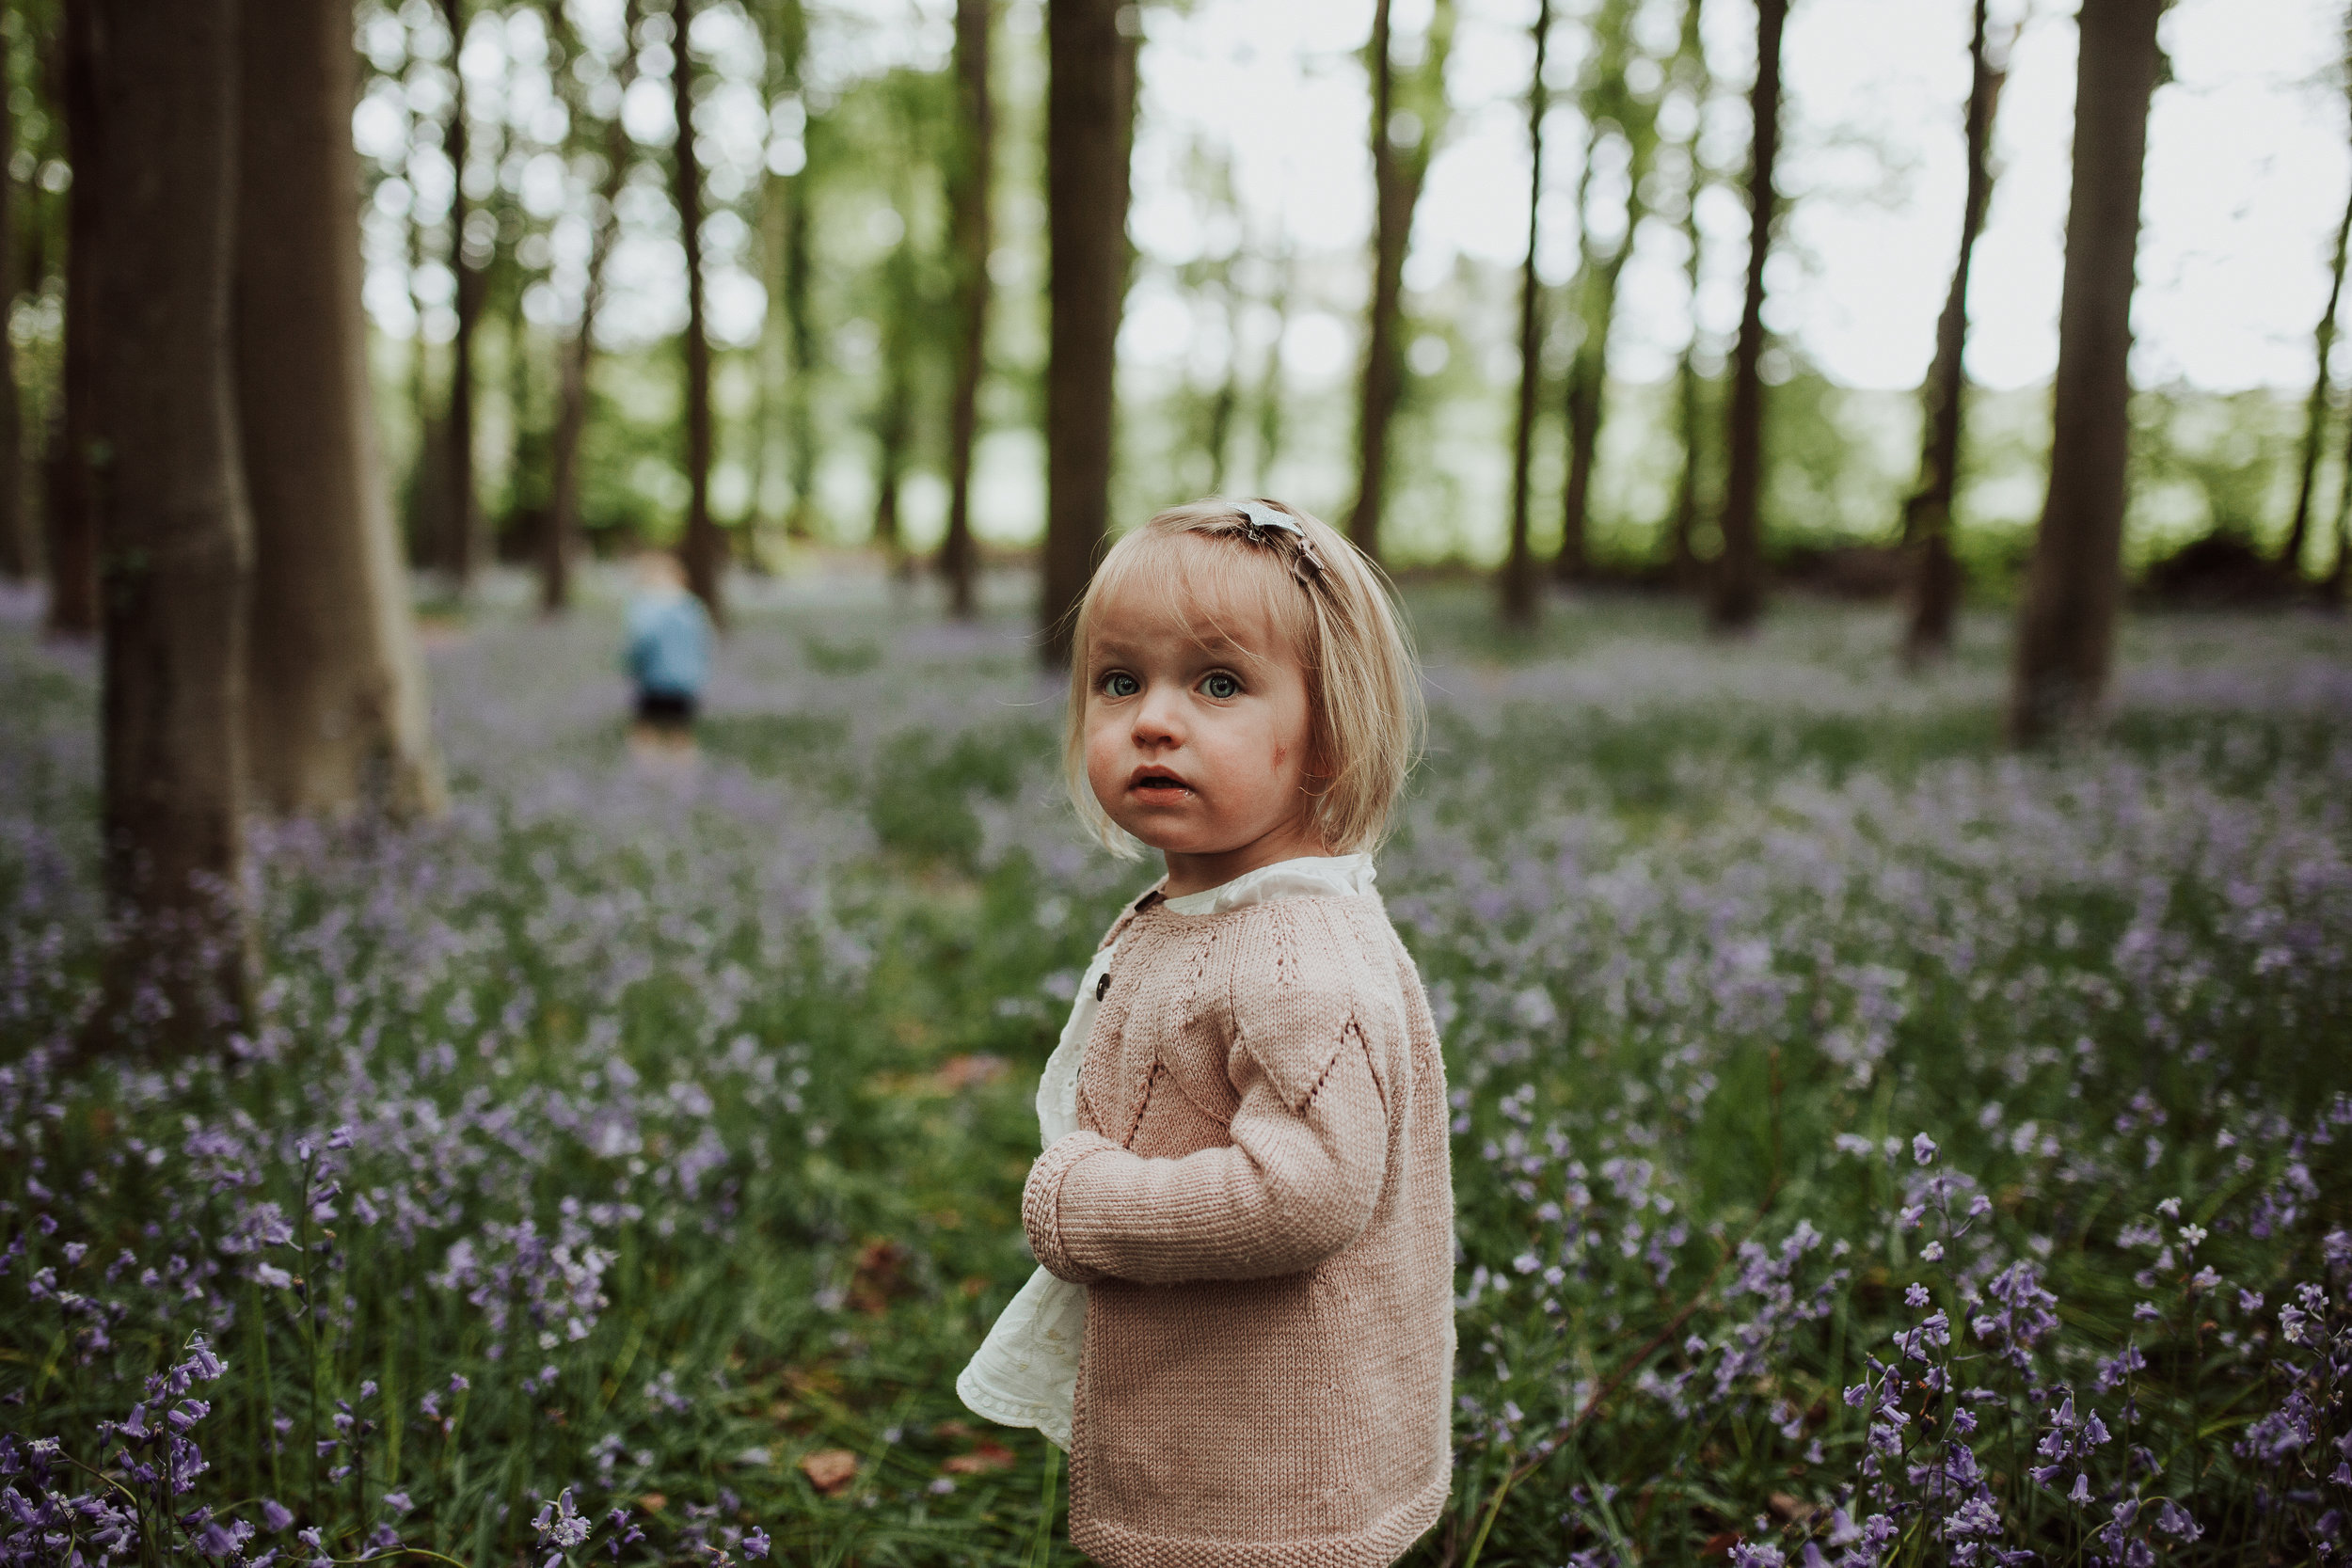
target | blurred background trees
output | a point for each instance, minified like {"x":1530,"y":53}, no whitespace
{"x":976,"y":283}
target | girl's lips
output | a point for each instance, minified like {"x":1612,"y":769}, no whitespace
{"x":1157,"y":781}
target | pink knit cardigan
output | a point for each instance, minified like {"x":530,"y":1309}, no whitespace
{"x":1261,"y":1203}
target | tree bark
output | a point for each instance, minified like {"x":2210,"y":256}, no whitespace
{"x":1739,"y":596}
{"x":1089,"y":115}
{"x":174,"y":533}
{"x":72,"y":504}
{"x":1518,"y":566}
{"x":1271,"y":424}
{"x":561,"y":542}
{"x":1399,"y":175}
{"x":2067,"y":627}
{"x":703,"y":549}
{"x":2316,"y":410}
{"x":969,"y":185}
{"x":1928,"y":517}
{"x":1689,"y":65}
{"x":337,"y":715}
{"x":1607,"y":101}
{"x":1394,"y":194}
{"x":17,"y":555}
{"x":460,"y":506}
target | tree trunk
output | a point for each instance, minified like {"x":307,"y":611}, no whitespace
{"x":1399,"y":174}
{"x":1927,"y":519}
{"x":2316,"y":410}
{"x":969,"y":185}
{"x":17,"y":554}
{"x":461,"y":508}
{"x":561,"y":542}
{"x":337,"y":714}
{"x":174,"y":535}
{"x":1607,"y":102}
{"x":1691,"y":66}
{"x":1272,"y":426}
{"x":1518,"y":566}
{"x":1739,"y":596}
{"x":2067,"y":627}
{"x":72,"y":501}
{"x":704,"y":550}
{"x":1089,"y":119}
{"x":1384,"y":368}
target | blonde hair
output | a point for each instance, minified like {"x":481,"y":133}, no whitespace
{"x":1336,"y":609}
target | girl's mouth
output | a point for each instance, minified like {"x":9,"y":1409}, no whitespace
{"x":1157,"y":781}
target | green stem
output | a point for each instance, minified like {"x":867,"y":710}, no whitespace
{"x":1041,"y":1549}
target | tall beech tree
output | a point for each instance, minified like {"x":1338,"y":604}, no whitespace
{"x":1089,"y":124}
{"x":71,"y":511}
{"x":174,"y":535}
{"x":2066,"y":628}
{"x":561,"y":540}
{"x":337,"y":713}
{"x":1518,"y":566}
{"x":1928,"y":515}
{"x":787,"y":201}
{"x":1614,"y":112}
{"x":971,"y":183}
{"x":704,"y":547}
{"x":2316,"y":410}
{"x":17,"y":554}
{"x":1738,"y":586}
{"x":1407,"y":117}
{"x":1690,"y":76}
{"x":460,"y":506}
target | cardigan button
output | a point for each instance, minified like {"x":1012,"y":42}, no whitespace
{"x":1103,"y":986}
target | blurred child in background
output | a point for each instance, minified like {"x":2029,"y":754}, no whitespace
{"x":668,"y":657}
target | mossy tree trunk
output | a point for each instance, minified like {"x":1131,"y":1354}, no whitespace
{"x":1519,"y":584}
{"x":337,"y":715}
{"x":1090,"y":123}
{"x":971,"y":183}
{"x":703,"y":548}
{"x":1934,"y":588}
{"x":2066,"y":628}
{"x":1738,"y":588}
{"x":174,"y":535}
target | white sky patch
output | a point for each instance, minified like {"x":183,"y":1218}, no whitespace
{"x":1251,"y":146}
{"x":2247,"y":169}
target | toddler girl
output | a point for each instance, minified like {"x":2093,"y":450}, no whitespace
{"x":1243,"y":1331}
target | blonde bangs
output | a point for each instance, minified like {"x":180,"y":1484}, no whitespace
{"x":1335,"y":609}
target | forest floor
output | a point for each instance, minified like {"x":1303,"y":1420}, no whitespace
{"x":1866,"y":1137}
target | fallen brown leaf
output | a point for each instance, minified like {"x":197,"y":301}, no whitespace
{"x":830,"y":1470}
{"x":1790,"y":1508}
{"x":653,"y":1503}
{"x":980,"y":1461}
{"x":962,"y":1073}
{"x":1720,"y":1546}
{"x":879,"y":1276}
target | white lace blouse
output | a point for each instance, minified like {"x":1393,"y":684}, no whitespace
{"x":1026,"y":1373}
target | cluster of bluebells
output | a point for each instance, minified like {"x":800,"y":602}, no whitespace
{"x":522,"y":1073}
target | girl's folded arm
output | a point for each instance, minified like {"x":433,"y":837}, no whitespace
{"x":1298,"y":1182}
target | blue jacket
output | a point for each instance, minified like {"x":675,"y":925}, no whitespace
{"x":668,"y":643}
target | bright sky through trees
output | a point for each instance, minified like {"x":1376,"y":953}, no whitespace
{"x":2246,"y":167}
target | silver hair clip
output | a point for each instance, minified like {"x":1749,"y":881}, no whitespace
{"x":1262,"y":522}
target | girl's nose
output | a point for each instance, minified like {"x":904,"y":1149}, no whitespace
{"x":1159,"y":721}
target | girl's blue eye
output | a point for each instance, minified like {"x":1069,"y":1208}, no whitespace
{"x":1121,"y":684}
{"x":1221,"y":686}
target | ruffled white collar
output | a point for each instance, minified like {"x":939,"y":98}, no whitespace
{"x":1307,"y":877}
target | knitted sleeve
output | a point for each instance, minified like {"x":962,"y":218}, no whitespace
{"x":1298,"y":1182}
